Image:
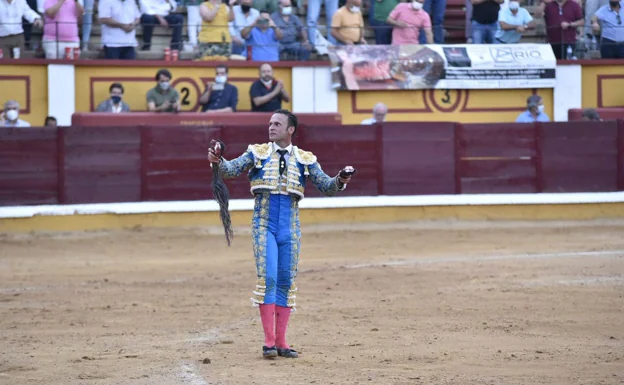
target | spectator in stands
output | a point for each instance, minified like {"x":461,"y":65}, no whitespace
{"x":608,"y":21}
{"x":214,"y":38}
{"x":37,"y":6}
{"x":163,"y":97}
{"x":347,"y":25}
{"x":60,"y":28}
{"x":381,"y":10}
{"x":512,"y":22}
{"x":263,"y":36}
{"x":268,"y":6}
{"x":219,"y":96}
{"x":193,"y":20}
{"x":591,"y":114}
{"x":10,"y":116}
{"x":562,"y":18}
{"x":534,"y":112}
{"x":408,"y":19}
{"x":11,"y":30}
{"x":591,"y":6}
{"x":119,"y":19}
{"x":114,"y":104}
{"x":266,"y":93}
{"x":379,"y":114}
{"x":294,"y":36}
{"x":158,"y":12}
{"x":313,"y":13}
{"x":436,"y":9}
{"x":484,"y":22}
{"x":244,"y":16}
{"x":50,"y":121}
{"x":87,"y":23}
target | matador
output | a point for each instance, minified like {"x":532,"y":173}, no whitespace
{"x":278,"y":172}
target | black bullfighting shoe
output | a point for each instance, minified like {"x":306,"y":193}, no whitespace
{"x":268,"y":352}
{"x":288,"y":353}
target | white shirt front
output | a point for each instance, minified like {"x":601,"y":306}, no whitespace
{"x":122,"y":11}
{"x":369,"y":121}
{"x":18,"y":123}
{"x":11,"y":17}
{"x":289,"y":149}
{"x":157,"y":7}
{"x":241,"y":21}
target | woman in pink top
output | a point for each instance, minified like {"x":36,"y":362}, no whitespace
{"x":408,"y":19}
{"x":60,"y":30}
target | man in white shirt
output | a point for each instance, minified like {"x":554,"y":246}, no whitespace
{"x":158,"y":12}
{"x":244,"y":16}
{"x":379,"y":114}
{"x":119,"y":19}
{"x":10,"y":116}
{"x":11,"y":30}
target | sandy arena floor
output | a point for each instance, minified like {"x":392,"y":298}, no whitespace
{"x":427,"y":303}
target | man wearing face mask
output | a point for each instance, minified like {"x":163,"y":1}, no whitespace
{"x":219,"y":96}
{"x":114,"y":104}
{"x":244,"y":16}
{"x":10,"y":116}
{"x":292,"y":31}
{"x":512,"y":22}
{"x":263,"y":36}
{"x":347,"y":25}
{"x":609,"y":20}
{"x":562,"y":18}
{"x":534,"y":112}
{"x":408,"y":19}
{"x":266,"y":93}
{"x":163,"y":97}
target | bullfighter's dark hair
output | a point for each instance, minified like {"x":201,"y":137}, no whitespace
{"x":292,"y":118}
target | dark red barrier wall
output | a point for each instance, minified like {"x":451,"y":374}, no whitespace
{"x":128,"y":164}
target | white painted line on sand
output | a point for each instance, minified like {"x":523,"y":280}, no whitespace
{"x":187,"y":373}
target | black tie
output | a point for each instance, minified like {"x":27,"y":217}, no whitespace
{"x":282,"y":166}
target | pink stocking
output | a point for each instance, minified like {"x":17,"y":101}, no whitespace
{"x":267,"y":315}
{"x":283,"y":314}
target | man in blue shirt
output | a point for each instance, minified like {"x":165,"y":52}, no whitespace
{"x":264,"y":37}
{"x":219,"y":96}
{"x":534,"y":112}
{"x":609,"y":19}
{"x":294,"y":35}
{"x":512,"y":22}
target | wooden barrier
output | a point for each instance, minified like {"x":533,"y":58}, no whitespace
{"x":149,"y":163}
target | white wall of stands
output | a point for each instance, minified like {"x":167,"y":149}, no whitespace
{"x":311,"y":91}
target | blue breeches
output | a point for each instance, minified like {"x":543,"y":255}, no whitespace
{"x":276,"y":240}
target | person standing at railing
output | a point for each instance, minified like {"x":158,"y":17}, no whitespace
{"x":380,"y":10}
{"x":193,"y":20}
{"x":11,"y":30}
{"x":313,"y":14}
{"x":347,"y":25}
{"x":60,"y":30}
{"x":484,"y":21}
{"x":119,"y":19}
{"x":408,"y":19}
{"x":562,"y":18}
{"x":436,"y":9}
{"x":215,"y":42}
{"x":608,"y":20}
{"x":263,"y":36}
{"x":512,"y":22}
{"x":244,"y":16}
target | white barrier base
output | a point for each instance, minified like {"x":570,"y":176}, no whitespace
{"x":316,"y":203}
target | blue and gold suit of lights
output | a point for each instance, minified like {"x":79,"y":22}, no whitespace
{"x":275,"y":225}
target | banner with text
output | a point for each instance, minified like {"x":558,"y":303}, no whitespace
{"x":458,"y":66}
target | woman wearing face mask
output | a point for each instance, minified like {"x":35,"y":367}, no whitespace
{"x":408,"y":19}
{"x":10,"y":116}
